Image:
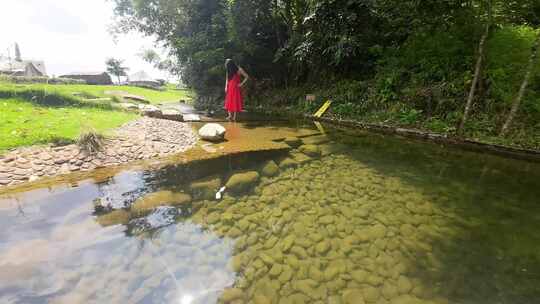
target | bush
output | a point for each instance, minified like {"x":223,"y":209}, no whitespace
{"x":23,"y":79}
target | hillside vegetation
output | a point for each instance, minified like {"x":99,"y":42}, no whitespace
{"x":435,"y":65}
{"x":98,"y":91}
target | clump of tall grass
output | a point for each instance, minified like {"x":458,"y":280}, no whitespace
{"x":91,"y":141}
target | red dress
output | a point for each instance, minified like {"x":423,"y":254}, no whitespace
{"x":233,"y":98}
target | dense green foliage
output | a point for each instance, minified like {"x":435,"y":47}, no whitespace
{"x":394,"y":61}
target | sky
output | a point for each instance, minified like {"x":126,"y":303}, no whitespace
{"x":69,"y":35}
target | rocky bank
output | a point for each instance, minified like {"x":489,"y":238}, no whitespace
{"x":141,"y":139}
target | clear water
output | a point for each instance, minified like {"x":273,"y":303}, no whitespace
{"x":376,"y":220}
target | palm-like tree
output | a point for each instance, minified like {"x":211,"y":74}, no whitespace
{"x":116,"y":67}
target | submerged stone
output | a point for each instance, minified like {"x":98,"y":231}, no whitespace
{"x":261,"y":299}
{"x":406,"y":299}
{"x":161,"y":198}
{"x":331,"y":273}
{"x":310,"y":150}
{"x":298,"y":298}
{"x":404,"y":285}
{"x":327,"y":219}
{"x":275,"y":271}
{"x":285,"y":275}
{"x":234,"y":232}
{"x":360,"y":276}
{"x":294,"y":142}
{"x":205,"y":188}
{"x":231,"y":294}
{"x":270,"y":169}
{"x":389,"y":291}
{"x":268,"y":260}
{"x":242,"y":182}
{"x":243,"y":225}
{"x":301,"y":158}
{"x":288,"y":163}
{"x":306,"y":287}
{"x":315,"y":140}
{"x":323,"y":247}
{"x":371,"y":294}
{"x":316,"y":274}
{"x":299,"y":252}
{"x":116,"y":217}
{"x":353,"y":296}
{"x":328,"y":149}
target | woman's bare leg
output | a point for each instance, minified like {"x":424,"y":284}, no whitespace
{"x":229,"y":116}
{"x":234,"y":116}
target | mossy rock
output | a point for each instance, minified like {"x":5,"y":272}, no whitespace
{"x":161,"y":198}
{"x":406,"y":299}
{"x":315,"y":140}
{"x":288,"y":163}
{"x":301,"y":158}
{"x":261,"y":299}
{"x":328,"y":149}
{"x":231,"y":294}
{"x":371,"y":294}
{"x":270,"y":169}
{"x":294,"y":142}
{"x":206,"y":188}
{"x":310,"y":150}
{"x":241,"y":182}
{"x":116,"y":217}
{"x":353,"y":296}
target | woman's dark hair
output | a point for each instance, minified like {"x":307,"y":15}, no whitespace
{"x":232,"y":68}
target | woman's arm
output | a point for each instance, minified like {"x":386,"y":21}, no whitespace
{"x":226,"y":82}
{"x":246,"y":76}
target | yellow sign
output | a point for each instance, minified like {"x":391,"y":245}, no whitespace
{"x":323,"y":109}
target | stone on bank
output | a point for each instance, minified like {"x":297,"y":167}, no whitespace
{"x":212,"y":132}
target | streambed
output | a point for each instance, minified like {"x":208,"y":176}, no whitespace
{"x":343,"y":217}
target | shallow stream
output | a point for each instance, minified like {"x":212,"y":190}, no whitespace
{"x":343,"y":217}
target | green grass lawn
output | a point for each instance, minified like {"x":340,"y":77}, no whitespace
{"x":23,"y":123}
{"x":155,"y":97}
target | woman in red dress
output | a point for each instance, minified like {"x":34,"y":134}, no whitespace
{"x":234,"y":102}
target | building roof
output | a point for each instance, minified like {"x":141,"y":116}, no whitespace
{"x":20,"y":66}
{"x":141,"y":76}
{"x":38,"y":64}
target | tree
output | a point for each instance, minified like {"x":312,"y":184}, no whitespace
{"x":150,"y":56}
{"x":477,"y":69}
{"x":168,"y":65}
{"x":194,"y":30}
{"x":115,"y":67}
{"x":526,"y":79}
